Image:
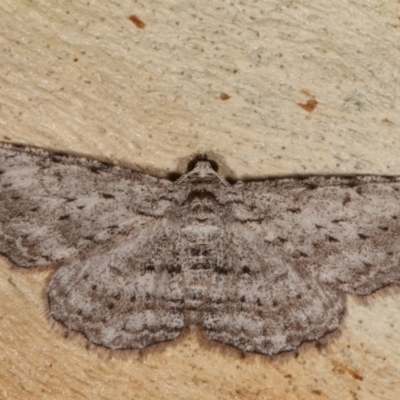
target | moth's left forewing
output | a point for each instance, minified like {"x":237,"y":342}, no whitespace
{"x":345,"y":231}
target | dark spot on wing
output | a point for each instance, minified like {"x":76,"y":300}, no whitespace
{"x":246,"y":269}
{"x":221,"y":270}
{"x":94,"y":169}
{"x":311,"y":185}
{"x":108,"y":196}
{"x":331,"y":239}
{"x":351,"y":183}
{"x":149,"y":268}
{"x":346,"y":199}
{"x":298,"y":254}
{"x":174,"y":269}
{"x":195,"y":251}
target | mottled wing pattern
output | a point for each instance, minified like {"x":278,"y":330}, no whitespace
{"x":295,"y":245}
{"x":285,"y":249}
{"x":262,"y":302}
{"x":344,"y":231}
{"x":54,"y":207}
{"x":127,"y":295}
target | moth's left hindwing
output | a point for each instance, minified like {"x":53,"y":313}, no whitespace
{"x":260,"y":302}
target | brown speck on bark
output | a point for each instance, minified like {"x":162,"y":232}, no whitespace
{"x":342,"y":369}
{"x":223,"y":96}
{"x":137,"y":21}
{"x":309,"y":105}
{"x":306,"y":92}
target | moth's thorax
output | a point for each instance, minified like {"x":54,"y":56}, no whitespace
{"x":202,"y":208}
{"x":201,"y":253}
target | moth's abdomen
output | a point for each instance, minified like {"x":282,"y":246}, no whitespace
{"x":201,"y":254}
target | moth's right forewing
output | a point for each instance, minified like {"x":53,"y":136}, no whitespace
{"x":56,"y":207}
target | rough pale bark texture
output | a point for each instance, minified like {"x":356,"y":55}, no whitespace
{"x":270,"y":88}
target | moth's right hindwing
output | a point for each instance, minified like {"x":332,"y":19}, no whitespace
{"x":126,"y":296}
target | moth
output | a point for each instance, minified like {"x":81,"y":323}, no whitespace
{"x":260,"y":265}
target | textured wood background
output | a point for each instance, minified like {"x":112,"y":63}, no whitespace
{"x":268,"y":88}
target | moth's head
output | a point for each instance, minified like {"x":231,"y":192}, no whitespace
{"x":202,"y":172}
